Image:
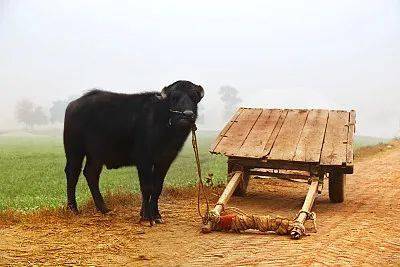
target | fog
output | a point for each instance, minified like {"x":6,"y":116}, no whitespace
{"x":278,"y":54}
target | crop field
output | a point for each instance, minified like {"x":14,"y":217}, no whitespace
{"x":32,"y":171}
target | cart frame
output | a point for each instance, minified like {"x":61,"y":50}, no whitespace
{"x":308,"y":145}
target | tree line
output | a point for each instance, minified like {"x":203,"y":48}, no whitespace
{"x":31,"y":115}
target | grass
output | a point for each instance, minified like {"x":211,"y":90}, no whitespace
{"x":32,"y":171}
{"x":363,"y":141}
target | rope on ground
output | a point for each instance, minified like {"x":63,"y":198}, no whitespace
{"x":280,"y":226}
{"x":239,"y":221}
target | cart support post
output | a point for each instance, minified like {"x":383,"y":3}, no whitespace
{"x":223,"y":200}
{"x":304,"y":214}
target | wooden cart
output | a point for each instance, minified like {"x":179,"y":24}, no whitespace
{"x":288,"y":144}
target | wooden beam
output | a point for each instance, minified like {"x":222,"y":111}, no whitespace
{"x":350,"y":138}
{"x":284,"y":176}
{"x":223,"y":200}
{"x":298,"y":231}
{"x":274,"y":164}
{"x":291,"y":165}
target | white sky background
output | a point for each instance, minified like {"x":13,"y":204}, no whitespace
{"x":306,"y":54}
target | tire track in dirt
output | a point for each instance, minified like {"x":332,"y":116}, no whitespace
{"x":363,"y":230}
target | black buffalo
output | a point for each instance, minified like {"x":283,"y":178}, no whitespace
{"x":145,"y":130}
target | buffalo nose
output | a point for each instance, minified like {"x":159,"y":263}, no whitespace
{"x":188,"y":113}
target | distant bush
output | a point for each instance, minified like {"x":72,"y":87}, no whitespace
{"x":29,"y":114}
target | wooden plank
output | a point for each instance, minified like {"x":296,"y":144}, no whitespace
{"x":238,"y":132}
{"x":271,"y":141}
{"x":350,"y":138}
{"x":254,"y":144}
{"x":335,"y":143}
{"x":285,"y":176}
{"x":289,"y":136}
{"x":312,"y":137}
{"x":225,"y":129}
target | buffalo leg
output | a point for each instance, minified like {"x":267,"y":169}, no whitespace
{"x":146,"y":187}
{"x":160,"y":170}
{"x":72,"y":171}
{"x":158,"y":186}
{"x":92,"y":173}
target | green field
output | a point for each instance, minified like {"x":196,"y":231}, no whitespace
{"x":32,"y":171}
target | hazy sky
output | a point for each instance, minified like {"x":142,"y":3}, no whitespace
{"x":329,"y":54}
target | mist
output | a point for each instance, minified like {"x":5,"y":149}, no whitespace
{"x":277,"y":54}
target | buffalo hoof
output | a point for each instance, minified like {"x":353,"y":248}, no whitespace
{"x":159,"y":221}
{"x":103,"y":210}
{"x":110,"y":213}
{"x":144,"y":221}
{"x":73,"y":209}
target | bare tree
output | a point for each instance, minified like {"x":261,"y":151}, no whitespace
{"x":231,"y":100}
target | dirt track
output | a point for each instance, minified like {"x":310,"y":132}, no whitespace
{"x":365,"y":229}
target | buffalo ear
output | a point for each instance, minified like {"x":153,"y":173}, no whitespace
{"x":200,"y":91}
{"x":164,"y":92}
{"x":159,"y":96}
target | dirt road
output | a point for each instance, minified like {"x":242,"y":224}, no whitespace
{"x":365,"y":229}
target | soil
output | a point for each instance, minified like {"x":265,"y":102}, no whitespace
{"x":363,"y":230}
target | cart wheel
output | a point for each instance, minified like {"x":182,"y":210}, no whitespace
{"x":337,"y":183}
{"x":241,"y":189}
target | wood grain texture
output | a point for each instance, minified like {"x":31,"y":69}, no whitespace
{"x":350,"y":138}
{"x":253,"y":146}
{"x":312,"y":137}
{"x":238,"y":132}
{"x":225,"y":129}
{"x":289,"y":136}
{"x":271,"y":141}
{"x":334,"y":149}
